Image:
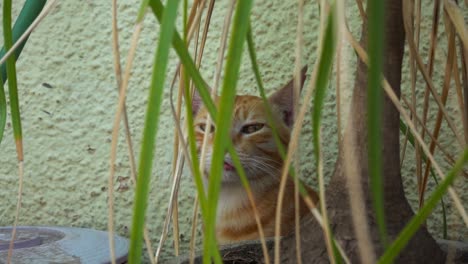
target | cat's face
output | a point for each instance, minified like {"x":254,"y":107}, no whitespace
{"x":251,"y":135}
{"x":252,"y":138}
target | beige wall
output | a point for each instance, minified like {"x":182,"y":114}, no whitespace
{"x":67,"y":128}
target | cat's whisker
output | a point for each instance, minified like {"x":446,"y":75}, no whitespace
{"x":245,"y":158}
{"x":265,"y":168}
{"x":267,"y":161}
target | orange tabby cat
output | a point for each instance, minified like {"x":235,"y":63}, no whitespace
{"x":253,"y":140}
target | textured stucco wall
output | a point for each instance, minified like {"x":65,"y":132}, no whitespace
{"x":67,"y":123}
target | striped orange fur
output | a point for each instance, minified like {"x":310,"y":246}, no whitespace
{"x":252,"y":138}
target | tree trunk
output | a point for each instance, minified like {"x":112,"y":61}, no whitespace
{"x":422,"y":248}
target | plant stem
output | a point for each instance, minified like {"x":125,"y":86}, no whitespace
{"x":151,"y":128}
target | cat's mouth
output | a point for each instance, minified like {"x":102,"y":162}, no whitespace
{"x":228,"y":166}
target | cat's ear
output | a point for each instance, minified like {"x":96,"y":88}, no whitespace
{"x":197,"y":101}
{"x":283,"y":99}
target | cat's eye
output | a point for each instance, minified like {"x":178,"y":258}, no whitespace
{"x":252,"y":128}
{"x":203,"y":128}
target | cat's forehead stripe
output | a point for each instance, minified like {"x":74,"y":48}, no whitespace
{"x":246,"y":107}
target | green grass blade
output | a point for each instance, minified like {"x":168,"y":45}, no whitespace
{"x":374,"y":110}
{"x":193,"y":150}
{"x":224,"y":118}
{"x":142,"y":10}
{"x":200,"y":84}
{"x":323,"y":73}
{"x":261,"y":89}
{"x":195,"y":162}
{"x":3,"y":109}
{"x":12,"y":81}
{"x":193,"y":153}
{"x":404,"y":130}
{"x":269,"y":112}
{"x":190,"y":125}
{"x":29,"y":12}
{"x":405,"y":235}
{"x":191,"y":70}
{"x":150,"y":130}
{"x":281,"y":149}
{"x":185,"y":24}
{"x":324,"y":68}
{"x":31,"y":9}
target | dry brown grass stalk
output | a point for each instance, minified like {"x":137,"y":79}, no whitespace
{"x":447,"y":78}
{"x":351,"y":166}
{"x":18,"y":207}
{"x":19,"y":143}
{"x":457,"y":19}
{"x":405,"y":116}
{"x":204,"y":34}
{"x":357,"y":204}
{"x":198,"y":13}
{"x":296,"y":92}
{"x":199,"y":57}
{"x":362,"y":13}
{"x":217,"y":75}
{"x":171,"y":207}
{"x":321,"y":219}
{"x":178,"y":159}
{"x":430,"y":64}
{"x":417,"y":120}
{"x":339,"y":49}
{"x":414,"y":77}
{"x":115,"y":134}
{"x":193,"y":232}
{"x":464,"y":62}
{"x":179,"y":71}
{"x":183,"y":147}
{"x":461,"y":106}
{"x":118,"y":74}
{"x":295,"y":134}
{"x":427,"y":77}
{"x":416,"y":20}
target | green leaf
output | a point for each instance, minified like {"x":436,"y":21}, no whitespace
{"x":324,"y":68}
{"x":11,"y":75}
{"x":151,"y":128}
{"x":269,"y":112}
{"x":31,"y":9}
{"x":224,"y":119}
{"x":323,"y":73}
{"x":3,"y":109}
{"x":28,"y":13}
{"x":374,"y":110}
{"x":142,"y":11}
